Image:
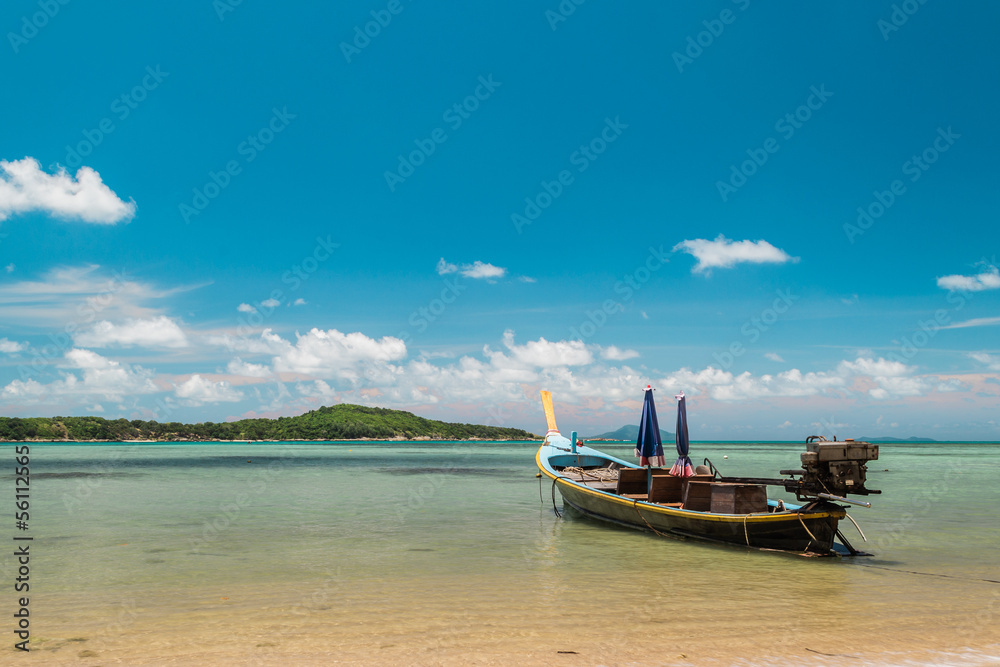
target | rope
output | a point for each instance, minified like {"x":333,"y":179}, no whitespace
{"x":556,"y":509}
{"x":808,"y":531}
{"x":929,"y":574}
{"x":856,"y":526}
{"x":598,"y":474}
{"x":745,"y":533}
{"x":635,"y":504}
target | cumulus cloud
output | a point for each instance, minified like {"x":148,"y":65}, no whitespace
{"x":773,"y":356}
{"x":878,"y":378}
{"x":988,"y":279}
{"x":196,"y":390}
{"x":239,"y":367}
{"x":299,"y":302}
{"x":25,"y":188}
{"x":331,"y":353}
{"x":10,"y":346}
{"x":10,"y":268}
{"x":153,"y":332}
{"x":477,"y":270}
{"x":246,"y":308}
{"x":724,"y":253}
{"x":99,"y":377}
{"x":270,"y":303}
{"x":544,"y":354}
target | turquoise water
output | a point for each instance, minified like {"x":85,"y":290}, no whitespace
{"x":441,"y":553}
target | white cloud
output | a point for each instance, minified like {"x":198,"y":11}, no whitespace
{"x":270,"y":303}
{"x":988,"y":279}
{"x":614,"y":353}
{"x":10,"y":346}
{"x":724,"y":386}
{"x":246,"y":308}
{"x":545,"y":354}
{"x":99,"y":377}
{"x":444,"y":268}
{"x":196,"y":390}
{"x":79,"y":295}
{"x":239,"y":367}
{"x":724,"y":253}
{"x":773,"y":356}
{"x":24,"y":187}
{"x":527,"y":279}
{"x":977,"y":322}
{"x":481,"y":270}
{"x":299,"y":302}
{"x":477,"y":270}
{"x":331,"y":353}
{"x":153,"y":332}
{"x":990,"y":361}
{"x":10,"y":268}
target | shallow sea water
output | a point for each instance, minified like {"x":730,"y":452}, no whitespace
{"x":451,"y":553}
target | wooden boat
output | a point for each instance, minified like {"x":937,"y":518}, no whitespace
{"x":714,"y":508}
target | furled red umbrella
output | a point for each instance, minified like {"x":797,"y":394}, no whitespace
{"x":682,"y":467}
{"x":648,"y":446}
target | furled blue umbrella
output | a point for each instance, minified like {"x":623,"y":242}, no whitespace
{"x":682,"y":468}
{"x":648,"y":446}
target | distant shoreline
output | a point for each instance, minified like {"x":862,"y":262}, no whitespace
{"x":149,"y":442}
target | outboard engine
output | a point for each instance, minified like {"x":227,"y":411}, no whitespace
{"x":832,"y":468}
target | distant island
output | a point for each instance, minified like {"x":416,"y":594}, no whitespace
{"x":629,"y":433}
{"x":337,"y":422}
{"x":887,"y":439}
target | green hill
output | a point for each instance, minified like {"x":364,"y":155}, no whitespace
{"x":337,"y":422}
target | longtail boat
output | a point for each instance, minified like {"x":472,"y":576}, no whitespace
{"x":712,"y":507}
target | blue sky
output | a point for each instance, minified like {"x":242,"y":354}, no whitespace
{"x":216,"y":210}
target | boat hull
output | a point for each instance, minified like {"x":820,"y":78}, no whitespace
{"x":811,"y":531}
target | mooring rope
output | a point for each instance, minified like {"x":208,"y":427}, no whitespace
{"x":929,"y":574}
{"x":856,"y":526}
{"x":556,"y":509}
{"x":807,"y":528}
{"x":635,"y":504}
